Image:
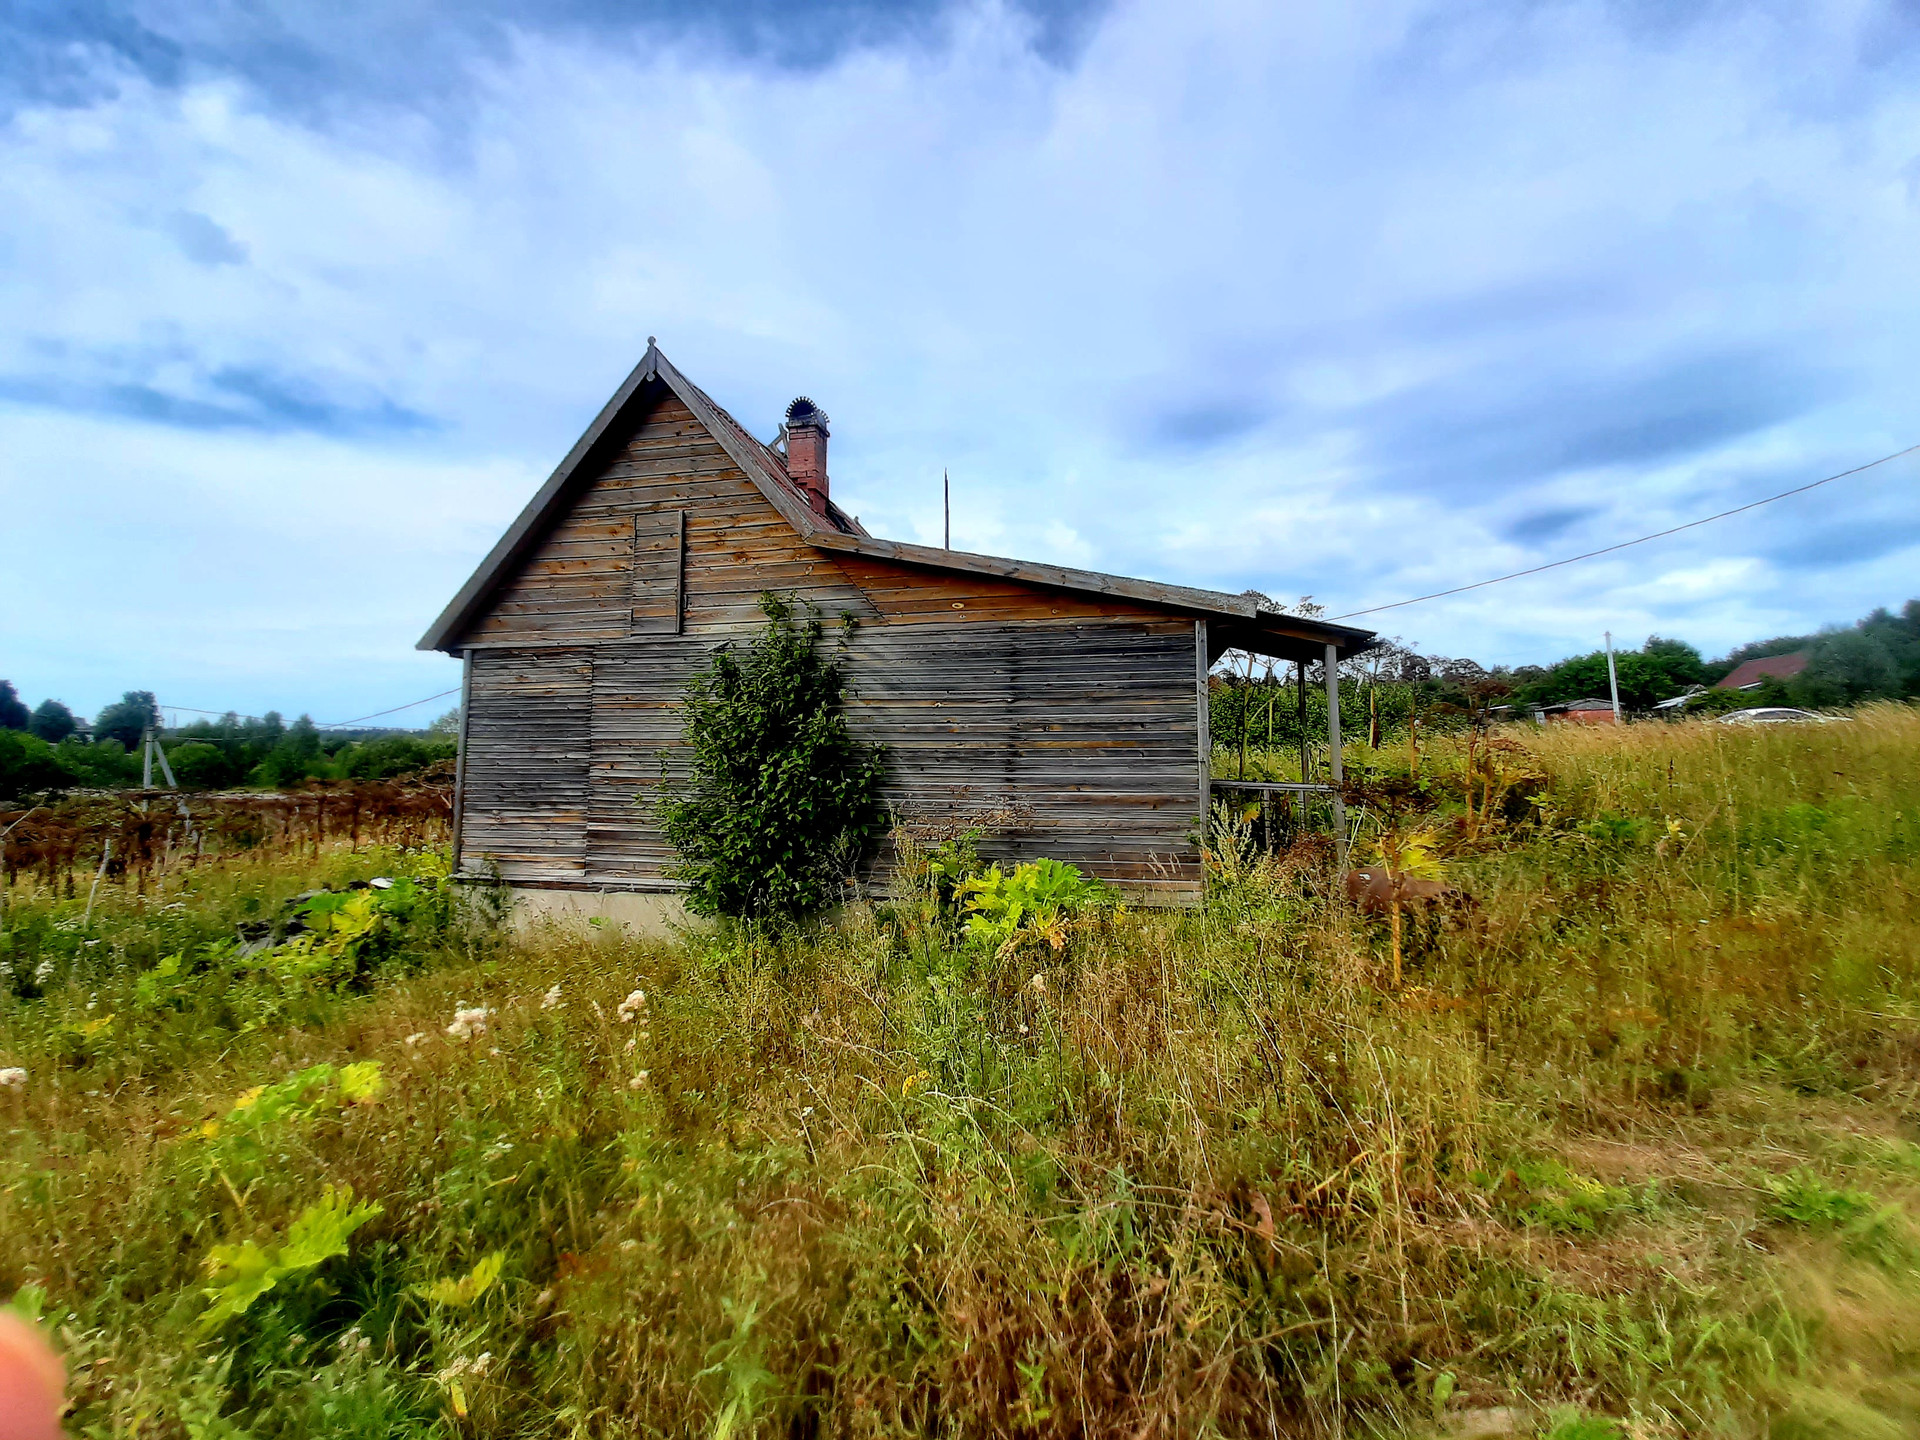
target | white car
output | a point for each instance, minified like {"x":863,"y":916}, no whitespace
{"x":1775,"y":715}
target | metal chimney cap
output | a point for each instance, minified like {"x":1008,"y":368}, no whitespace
{"x":804,"y":412}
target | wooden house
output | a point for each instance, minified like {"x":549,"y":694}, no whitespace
{"x":1073,"y":701}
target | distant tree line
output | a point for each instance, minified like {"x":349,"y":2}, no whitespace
{"x":1383,"y":691}
{"x":1877,"y":658}
{"x":48,"y":748}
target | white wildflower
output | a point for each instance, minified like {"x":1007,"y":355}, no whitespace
{"x":481,"y":1362}
{"x":550,"y":999}
{"x":414,"y":1039}
{"x":637,"y":1081}
{"x":494,"y":1051}
{"x":469,"y":1021}
{"x":631,"y":1045}
{"x":43,"y":972}
{"x":1039,"y":984}
{"x":14,"y":1078}
{"x":631,"y":1007}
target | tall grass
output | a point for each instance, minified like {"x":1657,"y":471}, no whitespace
{"x":1630,"y":1140}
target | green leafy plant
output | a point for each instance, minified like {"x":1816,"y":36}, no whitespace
{"x":1037,"y":901}
{"x":462,"y":1291}
{"x":241,"y":1274}
{"x":1554,"y":1198}
{"x":782,"y":799}
{"x":346,"y":936}
{"x":238,"y":1143}
{"x":162,"y":985}
{"x":745,"y":1375}
{"x":1571,"y":1424}
{"x":1801,"y":1197}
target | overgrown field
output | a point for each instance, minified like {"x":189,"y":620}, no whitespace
{"x":1630,"y":1148}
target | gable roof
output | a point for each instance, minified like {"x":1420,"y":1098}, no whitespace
{"x":1591,"y":702}
{"x":1768,"y":667}
{"x":635,"y":395}
{"x":1251,"y":622}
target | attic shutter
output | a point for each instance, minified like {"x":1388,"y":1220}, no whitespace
{"x":659,"y":543}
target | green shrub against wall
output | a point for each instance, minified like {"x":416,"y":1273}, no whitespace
{"x":782,"y":801}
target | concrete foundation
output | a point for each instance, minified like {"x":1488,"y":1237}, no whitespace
{"x":661,"y":916}
{"x":645,"y":916}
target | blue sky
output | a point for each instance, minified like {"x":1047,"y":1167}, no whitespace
{"x":299,"y":303}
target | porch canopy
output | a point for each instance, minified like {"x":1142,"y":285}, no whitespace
{"x":1297,"y":638}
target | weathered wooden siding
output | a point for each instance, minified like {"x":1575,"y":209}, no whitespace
{"x":584,"y":584}
{"x":909,"y":595}
{"x":1088,"y":730}
{"x":524,"y":784}
{"x":1081,"y":712}
{"x":612,"y":567}
{"x":637,"y":749}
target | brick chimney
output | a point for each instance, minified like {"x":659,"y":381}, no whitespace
{"x":807,"y":451}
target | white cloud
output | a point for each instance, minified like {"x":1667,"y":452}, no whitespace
{"x":1357,"y":300}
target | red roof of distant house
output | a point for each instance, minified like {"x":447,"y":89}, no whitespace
{"x":1767,"y":667}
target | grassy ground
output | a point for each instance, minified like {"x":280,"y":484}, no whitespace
{"x":1630,"y":1149}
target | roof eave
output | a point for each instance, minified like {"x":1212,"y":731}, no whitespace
{"x":1240,"y":611}
{"x":526,"y":528}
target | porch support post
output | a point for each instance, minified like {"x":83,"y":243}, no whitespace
{"x":1205,"y":776}
{"x":1333,"y":756}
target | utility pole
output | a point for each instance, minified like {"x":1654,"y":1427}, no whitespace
{"x":153,"y":749}
{"x":1613,"y":680}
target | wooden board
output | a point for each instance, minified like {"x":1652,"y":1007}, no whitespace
{"x":524,"y":800}
{"x":638,"y":753}
{"x":658,"y":568}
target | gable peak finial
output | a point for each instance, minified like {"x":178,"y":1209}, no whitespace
{"x":652,"y":344}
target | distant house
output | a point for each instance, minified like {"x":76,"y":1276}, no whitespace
{"x":1752,"y":674}
{"x":1073,"y":701}
{"x":1680,"y":702}
{"x":1580,"y":712}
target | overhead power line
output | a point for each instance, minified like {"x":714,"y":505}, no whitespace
{"x":1625,"y":544}
{"x":198,"y":710}
{"x":328,"y":725}
{"x":342,"y":724}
